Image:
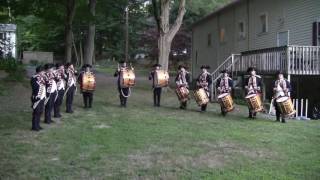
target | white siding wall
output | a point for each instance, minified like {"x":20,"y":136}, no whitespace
{"x":295,"y":16}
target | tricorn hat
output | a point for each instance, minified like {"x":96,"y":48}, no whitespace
{"x":251,"y":69}
{"x":48,"y":66}
{"x":181,"y":66}
{"x":39,"y":68}
{"x":205,"y":67}
{"x":156,"y":65}
{"x":224,"y":71}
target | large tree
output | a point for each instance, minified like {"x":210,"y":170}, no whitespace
{"x":89,"y":46}
{"x":70,"y":11}
{"x":167,"y":31}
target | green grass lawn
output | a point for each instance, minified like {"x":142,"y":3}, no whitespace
{"x":144,"y":142}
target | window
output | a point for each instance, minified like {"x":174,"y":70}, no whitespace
{"x":2,"y":36}
{"x":222,"y":35}
{"x":209,"y":40}
{"x":316,"y":34}
{"x":264,"y":23}
{"x":241,"y":30}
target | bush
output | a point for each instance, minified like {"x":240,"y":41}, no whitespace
{"x":14,"y":69}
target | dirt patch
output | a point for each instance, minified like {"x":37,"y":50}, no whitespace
{"x":3,"y":74}
{"x":214,"y":156}
{"x":102,"y":126}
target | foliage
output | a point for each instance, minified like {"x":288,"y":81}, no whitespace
{"x":15,"y":69}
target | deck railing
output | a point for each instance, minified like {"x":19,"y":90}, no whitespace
{"x":304,"y":60}
{"x":299,"y":60}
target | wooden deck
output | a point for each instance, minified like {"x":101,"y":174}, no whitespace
{"x":295,"y":60}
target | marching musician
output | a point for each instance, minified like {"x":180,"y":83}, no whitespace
{"x":156,"y":90}
{"x":123,"y":92}
{"x":204,"y":81}
{"x":38,"y":97}
{"x":253,"y":86}
{"x":224,"y":85}
{"x":182,"y":80}
{"x":70,"y":86}
{"x":51,"y":95}
{"x":87,"y":94}
{"x":60,"y":80}
{"x":282,"y":88}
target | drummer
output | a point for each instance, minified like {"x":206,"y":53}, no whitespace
{"x":224,"y":85}
{"x":204,"y":80}
{"x":253,"y":86}
{"x":156,"y":90}
{"x":182,"y":80}
{"x":282,"y":88}
{"x":123,"y":92}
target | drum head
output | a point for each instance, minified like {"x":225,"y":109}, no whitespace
{"x":282,"y":99}
{"x":250,"y":96}
{"x":223,"y":95}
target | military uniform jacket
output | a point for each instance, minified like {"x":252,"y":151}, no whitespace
{"x":224,"y":85}
{"x":253,"y":84}
{"x":38,"y":88}
{"x":183,"y":79}
{"x":204,"y":80}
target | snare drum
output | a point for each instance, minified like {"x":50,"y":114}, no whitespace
{"x":254,"y":102}
{"x":201,"y":96}
{"x":226,"y":102}
{"x":88,"y":82}
{"x":127,"y":78}
{"x":286,"y":106}
{"x":182,"y":93}
{"x":161,"y":78}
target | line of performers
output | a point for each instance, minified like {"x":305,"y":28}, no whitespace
{"x":52,"y":83}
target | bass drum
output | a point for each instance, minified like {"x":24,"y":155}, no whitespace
{"x":254,"y":102}
{"x":182,"y":93}
{"x":161,"y":78}
{"x":201,"y":96}
{"x":88,"y":82}
{"x":286,"y":106}
{"x":226,"y":102}
{"x":127,"y":78}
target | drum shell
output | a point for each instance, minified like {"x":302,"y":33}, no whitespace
{"x":201,"y":96}
{"x":286,"y":107}
{"x":88,"y":83}
{"x":161,"y":78}
{"x":127,"y":78}
{"x":254,"y":103}
{"x":182,"y":93}
{"x":226,"y":102}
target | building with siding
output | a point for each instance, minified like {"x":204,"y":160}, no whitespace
{"x":271,"y":35}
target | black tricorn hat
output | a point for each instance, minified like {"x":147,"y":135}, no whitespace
{"x":224,"y":71}
{"x":122,"y":61}
{"x":58,"y":65}
{"x":86,"y":65}
{"x":39,"y":68}
{"x":157,"y":65}
{"x":68,"y":65}
{"x":181,"y":66}
{"x":48,"y":66}
{"x":251,"y":69}
{"x":279,"y":72}
{"x":205,"y":67}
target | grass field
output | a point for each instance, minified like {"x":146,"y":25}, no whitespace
{"x":144,"y":142}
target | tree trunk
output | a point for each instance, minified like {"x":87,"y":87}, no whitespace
{"x":70,"y":11}
{"x":164,"y":51}
{"x":166,"y":33}
{"x":89,"y":47}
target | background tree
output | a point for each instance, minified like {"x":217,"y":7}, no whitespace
{"x":166,"y":33}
